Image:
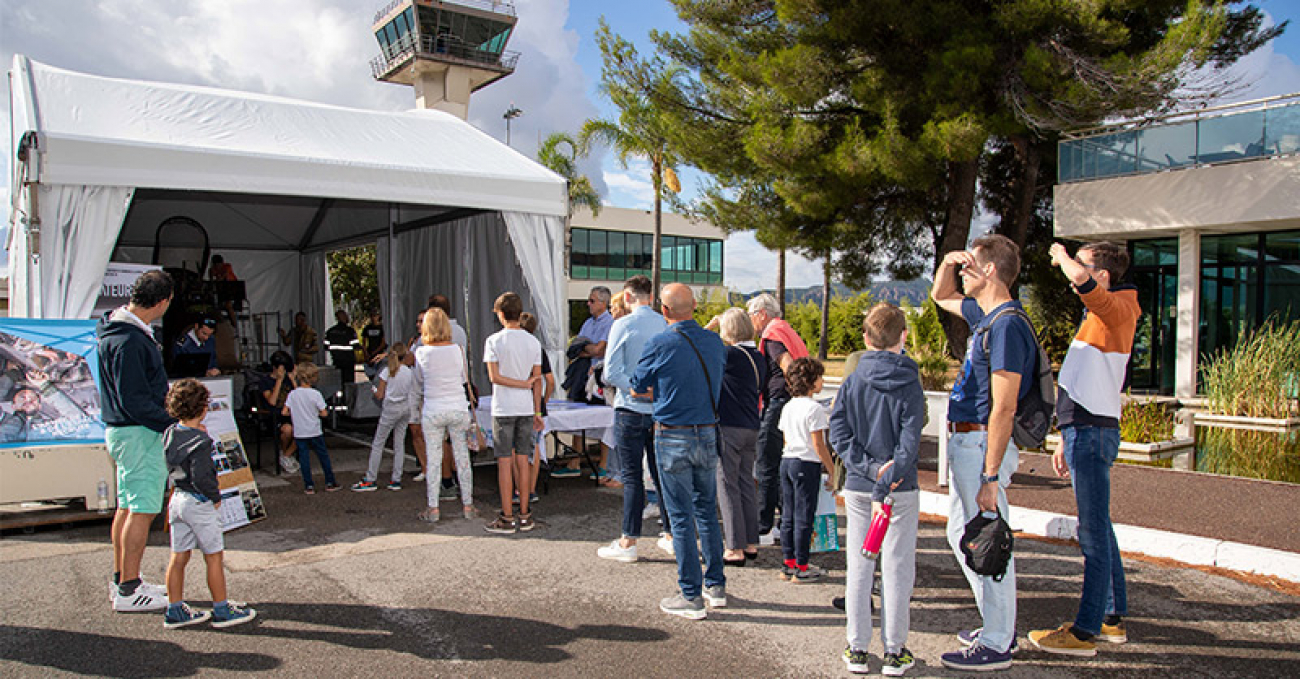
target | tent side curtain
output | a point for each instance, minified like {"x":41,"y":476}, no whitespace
{"x":313,"y":301}
{"x":79,"y":225}
{"x":384,"y":274}
{"x":539,"y":245}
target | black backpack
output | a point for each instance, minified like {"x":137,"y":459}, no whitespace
{"x":1037,"y":410}
{"x":987,"y":545}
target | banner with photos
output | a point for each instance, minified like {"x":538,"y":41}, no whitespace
{"x":49,"y":372}
{"x":241,"y":502}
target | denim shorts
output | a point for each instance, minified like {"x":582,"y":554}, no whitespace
{"x":512,"y":434}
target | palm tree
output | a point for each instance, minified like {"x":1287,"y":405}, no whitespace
{"x":640,"y":131}
{"x":564,"y":162}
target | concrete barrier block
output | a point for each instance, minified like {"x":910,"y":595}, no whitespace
{"x":1185,"y":548}
{"x":1261,"y":560}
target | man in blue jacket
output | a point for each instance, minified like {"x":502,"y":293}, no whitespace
{"x":132,"y":393}
{"x":876,"y":428}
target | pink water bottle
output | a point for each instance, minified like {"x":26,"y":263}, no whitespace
{"x":876,"y":534}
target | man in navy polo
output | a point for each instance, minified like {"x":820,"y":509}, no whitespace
{"x":682,"y":367}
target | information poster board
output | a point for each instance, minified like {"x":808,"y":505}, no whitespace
{"x":49,"y":373}
{"x":241,"y":503}
{"x":115,"y":291}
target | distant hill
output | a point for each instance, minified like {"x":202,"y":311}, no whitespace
{"x":898,"y":292}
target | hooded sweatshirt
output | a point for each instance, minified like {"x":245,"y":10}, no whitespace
{"x":878,"y":417}
{"x":132,"y":380}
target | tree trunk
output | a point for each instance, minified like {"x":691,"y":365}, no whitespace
{"x":656,"y":268}
{"x":824,"y":339}
{"x":780,"y":280}
{"x":1016,"y":225}
{"x":956,"y":231}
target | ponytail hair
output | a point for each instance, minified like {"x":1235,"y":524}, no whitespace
{"x":396,"y":355}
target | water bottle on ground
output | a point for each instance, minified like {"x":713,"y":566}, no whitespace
{"x":103,"y":496}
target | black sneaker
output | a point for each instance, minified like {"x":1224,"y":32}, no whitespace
{"x":856,"y":660}
{"x":525,"y":522}
{"x":837,"y":603}
{"x":895,"y":664}
{"x":810,"y":574}
{"x":502,"y":525}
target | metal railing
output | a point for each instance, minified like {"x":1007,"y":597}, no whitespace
{"x":443,"y":48}
{"x":497,"y":6}
{"x":1224,"y":134}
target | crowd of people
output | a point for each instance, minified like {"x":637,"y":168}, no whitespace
{"x":725,"y":425}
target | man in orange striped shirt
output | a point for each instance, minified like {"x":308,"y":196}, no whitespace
{"x":1088,"y":409}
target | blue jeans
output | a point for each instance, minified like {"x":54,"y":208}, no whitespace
{"x":305,"y":446}
{"x":1090,"y":452}
{"x":634,"y":439}
{"x":800,"y":481}
{"x":996,"y":600}
{"x":688,"y":460}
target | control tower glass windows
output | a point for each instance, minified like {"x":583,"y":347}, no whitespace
{"x":396,"y":36}
{"x":464,"y":35}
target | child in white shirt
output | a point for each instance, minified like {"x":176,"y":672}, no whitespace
{"x":396,"y":390}
{"x":807,"y":454}
{"x":305,"y":406}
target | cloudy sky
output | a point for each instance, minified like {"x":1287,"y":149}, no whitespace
{"x":320,"y":51}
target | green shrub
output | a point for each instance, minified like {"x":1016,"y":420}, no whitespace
{"x":928,"y":345}
{"x":1145,"y":422}
{"x":1256,"y":377}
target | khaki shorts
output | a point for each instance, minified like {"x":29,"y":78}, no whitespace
{"x":141,"y":468}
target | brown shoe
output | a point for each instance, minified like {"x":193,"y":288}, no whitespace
{"x":526,"y":522}
{"x":502,"y":525}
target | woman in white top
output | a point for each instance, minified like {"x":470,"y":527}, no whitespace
{"x":396,"y":391}
{"x":440,"y":372}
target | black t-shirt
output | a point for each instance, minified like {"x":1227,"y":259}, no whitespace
{"x":372,"y":337}
{"x":774,"y":350}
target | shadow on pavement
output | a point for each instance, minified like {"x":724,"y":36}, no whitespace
{"x":438,"y":634}
{"x":101,"y":655}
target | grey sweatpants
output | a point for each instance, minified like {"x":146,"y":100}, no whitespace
{"x":391,"y":421}
{"x":897,"y":570}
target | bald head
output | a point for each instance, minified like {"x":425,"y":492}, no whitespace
{"x":679,"y":302}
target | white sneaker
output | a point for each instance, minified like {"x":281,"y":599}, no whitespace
{"x":141,"y":600}
{"x":767,"y":539}
{"x":418,"y":477}
{"x":614,"y":552}
{"x":666,"y":543}
{"x":651,"y":511}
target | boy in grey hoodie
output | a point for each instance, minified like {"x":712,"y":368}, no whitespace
{"x":875,"y":426}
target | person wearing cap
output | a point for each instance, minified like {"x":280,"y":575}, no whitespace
{"x":198,"y":340}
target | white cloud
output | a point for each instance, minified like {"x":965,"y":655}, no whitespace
{"x":629,"y":187}
{"x":748,"y":266}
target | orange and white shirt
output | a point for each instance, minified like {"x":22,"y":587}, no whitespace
{"x":1092,"y":376}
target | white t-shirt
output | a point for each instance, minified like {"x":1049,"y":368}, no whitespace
{"x":515,"y":351}
{"x":305,"y":404}
{"x":799,"y":419}
{"x":442,"y":374}
{"x":401,"y":387}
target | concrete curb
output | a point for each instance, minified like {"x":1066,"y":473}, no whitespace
{"x":1188,"y":549}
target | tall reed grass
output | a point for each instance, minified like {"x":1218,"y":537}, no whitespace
{"x":1258,"y":376}
{"x":1145,"y":422}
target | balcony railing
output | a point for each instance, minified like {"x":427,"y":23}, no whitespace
{"x":443,"y":48}
{"x":1256,"y":129}
{"x":498,"y":6}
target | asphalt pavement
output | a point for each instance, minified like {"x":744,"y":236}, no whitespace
{"x":351,"y":584}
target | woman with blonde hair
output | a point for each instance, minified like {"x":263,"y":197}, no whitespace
{"x":396,"y":390}
{"x":440,"y":372}
{"x":738,"y":417}
{"x":618,"y":307}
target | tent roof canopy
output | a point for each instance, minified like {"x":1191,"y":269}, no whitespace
{"x":112,"y":132}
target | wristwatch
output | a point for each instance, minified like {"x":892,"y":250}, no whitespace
{"x":985,"y":478}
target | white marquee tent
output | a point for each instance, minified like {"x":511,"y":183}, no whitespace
{"x":276,"y":183}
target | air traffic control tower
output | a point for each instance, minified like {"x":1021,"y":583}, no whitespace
{"x":446,"y":50}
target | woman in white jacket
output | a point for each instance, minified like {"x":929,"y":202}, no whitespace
{"x":440,"y":372}
{"x":396,"y":391}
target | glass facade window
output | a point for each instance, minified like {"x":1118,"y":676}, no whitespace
{"x":1155,"y":273}
{"x":617,"y":255}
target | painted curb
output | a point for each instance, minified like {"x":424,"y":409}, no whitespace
{"x":1188,"y":549}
